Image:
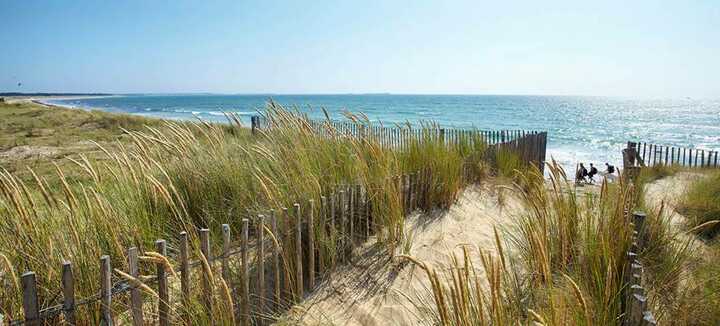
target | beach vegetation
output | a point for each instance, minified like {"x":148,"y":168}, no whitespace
{"x":562,"y":261}
{"x":167,"y":177}
{"x":701,"y":205}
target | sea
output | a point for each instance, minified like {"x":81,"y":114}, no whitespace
{"x":580,"y":128}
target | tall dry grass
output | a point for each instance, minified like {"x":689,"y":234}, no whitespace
{"x":562,"y":262}
{"x":181,"y":177}
{"x":682,"y":254}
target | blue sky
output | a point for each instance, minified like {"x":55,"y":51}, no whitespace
{"x":613,"y":48}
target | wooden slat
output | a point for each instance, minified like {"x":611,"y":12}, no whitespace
{"x":185,"y":270}
{"x":105,"y":290}
{"x":163,"y":292}
{"x":341,"y":227}
{"x":225,"y":262}
{"x":275,"y":260}
{"x":286,"y":255}
{"x":333,"y":231}
{"x":245,"y":302}
{"x":311,"y":244}
{"x":207,"y":288}
{"x":68,"y":285}
{"x":351,"y":216}
{"x":31,"y":308}
{"x":298,"y":254}
{"x":136,"y":301}
{"x":368,"y":230}
{"x":262,"y":295}
{"x":323,"y":233}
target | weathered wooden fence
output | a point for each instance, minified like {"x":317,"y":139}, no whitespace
{"x":286,"y":263}
{"x":530,"y":146}
{"x":636,"y":311}
{"x":284,"y":266}
{"x":644,"y":154}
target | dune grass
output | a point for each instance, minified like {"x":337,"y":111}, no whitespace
{"x":172,"y":177}
{"x":682,"y":282}
{"x":562,"y":261}
{"x":701,"y":204}
{"x":695,"y":295}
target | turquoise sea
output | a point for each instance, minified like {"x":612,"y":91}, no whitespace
{"x":580,"y":129}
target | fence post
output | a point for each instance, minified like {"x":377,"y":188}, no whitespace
{"x":30,"y":299}
{"x":637,"y":307}
{"x":184,"y":270}
{"x":68,"y":284}
{"x":163,"y":293}
{"x":311,"y":244}
{"x":351,"y":216}
{"x":323,"y":233}
{"x":298,"y":254}
{"x":341,"y":228}
{"x":135,"y":295}
{"x":225,"y":253}
{"x":639,"y":222}
{"x":286,"y":255}
{"x":333,"y":235}
{"x":105,"y":290}
{"x":406,"y":193}
{"x":245,"y":274}
{"x":358,"y":208}
{"x":207,"y":282}
{"x":276,"y":258}
{"x":368,"y":216}
{"x":261,"y":266}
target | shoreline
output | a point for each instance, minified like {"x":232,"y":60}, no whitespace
{"x":45,"y":100}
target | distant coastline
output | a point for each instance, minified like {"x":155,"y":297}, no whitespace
{"x":45,"y":98}
{"x":20,"y":94}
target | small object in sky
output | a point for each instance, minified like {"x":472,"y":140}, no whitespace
{"x":19,"y":84}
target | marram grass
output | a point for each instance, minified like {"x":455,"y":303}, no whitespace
{"x":183,"y":176}
{"x":562,"y":262}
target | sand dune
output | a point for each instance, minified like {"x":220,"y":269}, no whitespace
{"x":375,"y":290}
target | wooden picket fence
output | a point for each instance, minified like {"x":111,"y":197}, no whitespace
{"x":530,"y":146}
{"x":636,"y":311}
{"x":644,"y":154}
{"x":283,"y":270}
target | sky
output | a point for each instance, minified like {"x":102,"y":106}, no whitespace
{"x":660,"y":49}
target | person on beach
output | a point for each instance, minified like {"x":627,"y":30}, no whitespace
{"x":581,"y":173}
{"x":592,"y":173}
{"x":609,"y":172}
{"x":609,"y":169}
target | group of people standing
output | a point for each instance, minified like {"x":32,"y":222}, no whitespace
{"x":583,"y":175}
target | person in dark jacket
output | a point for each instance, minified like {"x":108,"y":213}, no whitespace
{"x":581,"y":173}
{"x":609,"y":169}
{"x":609,"y":172}
{"x":592,"y":173}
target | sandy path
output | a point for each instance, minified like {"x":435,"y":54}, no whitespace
{"x":669,"y":191}
{"x":374,"y":290}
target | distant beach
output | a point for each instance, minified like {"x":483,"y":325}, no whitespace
{"x":47,"y":100}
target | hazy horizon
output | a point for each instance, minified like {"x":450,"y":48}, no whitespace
{"x":644,"y":49}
